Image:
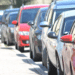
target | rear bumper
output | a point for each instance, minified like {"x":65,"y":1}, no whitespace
{"x":23,"y":40}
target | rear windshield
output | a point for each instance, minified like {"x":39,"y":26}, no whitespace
{"x":68,"y":24}
{"x":28,"y":15}
{"x":7,"y":12}
{"x":12,"y":17}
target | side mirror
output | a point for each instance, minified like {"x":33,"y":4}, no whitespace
{"x":44,"y":24}
{"x":66,"y":38}
{"x":30,"y":23}
{"x":52,"y":35}
{"x":14,"y":22}
{"x":66,"y":33}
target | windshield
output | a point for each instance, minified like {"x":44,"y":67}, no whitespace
{"x":12,"y":17}
{"x":0,"y":17}
{"x":59,"y":11}
{"x":28,"y":15}
{"x":67,"y":24}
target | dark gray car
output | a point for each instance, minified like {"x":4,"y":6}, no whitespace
{"x":35,"y":35}
{"x":6,"y":12}
{"x":9,"y":28}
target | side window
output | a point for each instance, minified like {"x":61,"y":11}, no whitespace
{"x":56,"y":26}
{"x":73,"y":32}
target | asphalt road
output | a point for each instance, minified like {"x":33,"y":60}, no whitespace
{"x":13,"y":62}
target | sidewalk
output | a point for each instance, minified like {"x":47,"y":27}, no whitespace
{"x":12,"y":62}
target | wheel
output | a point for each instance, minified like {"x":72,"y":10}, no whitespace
{"x":21,"y":49}
{"x":59,"y":71}
{"x":31,"y":55}
{"x":51,"y":69}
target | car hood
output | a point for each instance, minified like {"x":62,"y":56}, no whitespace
{"x":10,"y":25}
{"x":24,"y":27}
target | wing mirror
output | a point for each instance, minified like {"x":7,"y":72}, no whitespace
{"x":66,"y":38}
{"x":14,"y":22}
{"x":44,"y":24}
{"x":30,"y":23}
{"x":52,"y":35}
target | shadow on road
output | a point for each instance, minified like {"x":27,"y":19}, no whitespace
{"x":21,"y":55}
{"x":6,"y":48}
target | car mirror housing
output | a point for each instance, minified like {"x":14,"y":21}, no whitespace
{"x":44,"y":24}
{"x":66,"y":38}
{"x":14,"y":22}
{"x":30,"y":23}
{"x":52,"y":35}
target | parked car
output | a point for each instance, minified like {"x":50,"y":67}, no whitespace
{"x":1,"y":14}
{"x":9,"y":28}
{"x":6,"y":12}
{"x":54,"y":46}
{"x":35,"y":35}
{"x":22,"y":28}
{"x":54,"y":10}
{"x":68,"y":52}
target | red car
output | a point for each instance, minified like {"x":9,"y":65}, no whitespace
{"x":21,"y":30}
{"x":68,"y":52}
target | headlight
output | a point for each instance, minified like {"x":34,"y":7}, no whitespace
{"x":12,"y":30}
{"x":23,"y":33}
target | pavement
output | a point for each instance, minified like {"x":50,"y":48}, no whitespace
{"x":13,"y":62}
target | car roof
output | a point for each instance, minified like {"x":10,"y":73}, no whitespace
{"x":43,"y":9}
{"x":68,"y":13}
{"x":34,"y":6}
{"x":64,"y":4}
{"x":13,"y":13}
{"x":12,"y":9}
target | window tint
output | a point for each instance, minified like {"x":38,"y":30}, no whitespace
{"x":56,"y":26}
{"x":67,"y":24}
{"x":12,"y":17}
{"x":28,"y":15}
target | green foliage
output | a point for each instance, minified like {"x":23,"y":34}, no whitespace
{"x":18,"y":3}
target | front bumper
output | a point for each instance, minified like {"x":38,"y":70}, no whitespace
{"x":23,"y":40}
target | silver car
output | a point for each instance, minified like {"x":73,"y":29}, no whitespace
{"x":54,"y":45}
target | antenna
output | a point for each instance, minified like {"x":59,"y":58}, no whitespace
{"x":22,"y":4}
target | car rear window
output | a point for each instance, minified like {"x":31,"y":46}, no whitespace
{"x":28,"y":15}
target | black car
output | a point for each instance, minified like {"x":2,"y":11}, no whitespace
{"x":35,"y":35}
{"x":4,"y":26}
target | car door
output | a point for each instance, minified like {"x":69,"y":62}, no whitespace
{"x":51,"y":42}
{"x":68,"y":53}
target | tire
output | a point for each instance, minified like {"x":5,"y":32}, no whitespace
{"x":31,"y":55}
{"x":7,"y":42}
{"x":2,"y":39}
{"x":59,"y":71}
{"x":36,"y":57}
{"x":21,"y":49}
{"x":16,"y":46}
{"x":51,"y":69}
{"x":44,"y":57}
